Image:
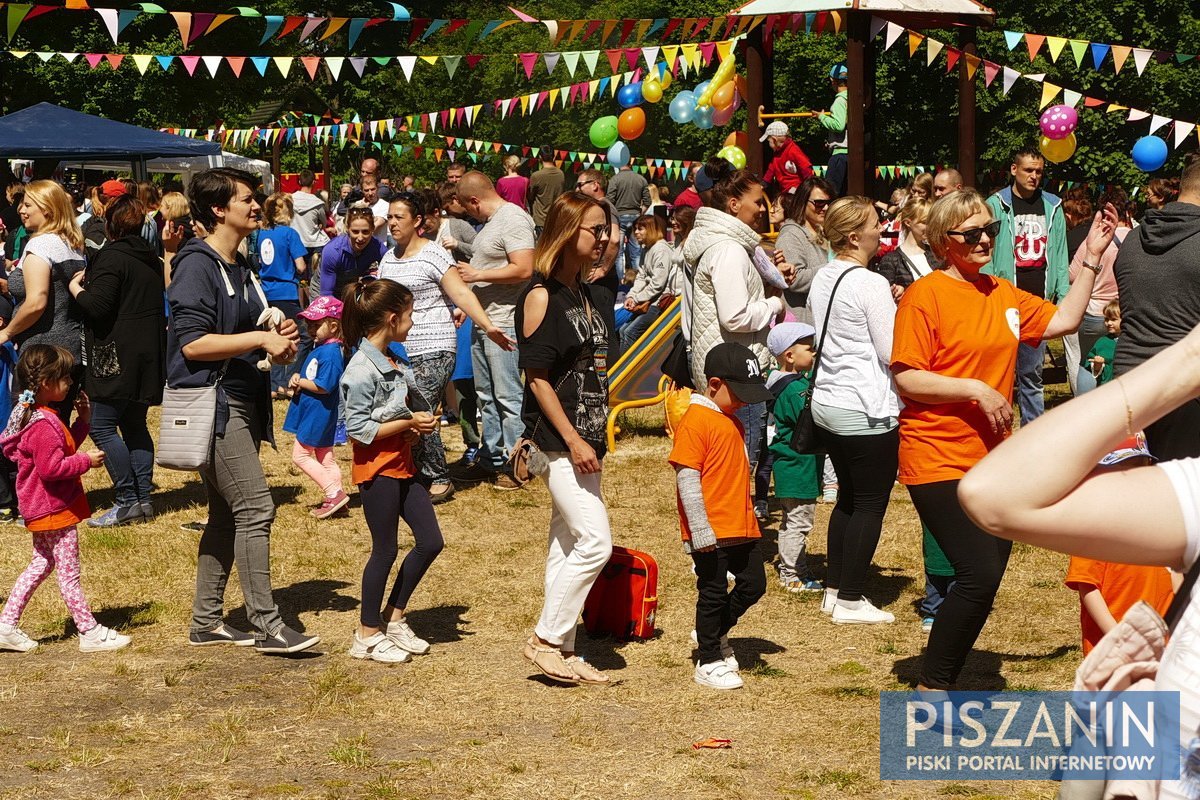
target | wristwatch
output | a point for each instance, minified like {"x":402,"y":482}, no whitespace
{"x":1093,"y":267}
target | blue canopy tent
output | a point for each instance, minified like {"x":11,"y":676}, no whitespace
{"x":47,"y":131}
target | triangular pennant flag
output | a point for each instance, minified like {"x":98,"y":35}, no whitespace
{"x":571,"y":59}
{"x":528,"y":61}
{"x":1010,"y":77}
{"x":1099,"y":53}
{"x":1182,"y":131}
{"x":973,"y":63}
{"x":614,"y":59}
{"x":1092,"y":102}
{"x":335,"y":25}
{"x":184,"y":21}
{"x":164,"y":62}
{"x":706,"y":53}
{"x":359,"y":63}
{"x":212,"y":63}
{"x":311,"y":25}
{"x":200,"y":25}
{"x":1120,"y":53}
{"x":1078,"y":50}
{"x":16,"y":14}
{"x":914,"y":42}
{"x":46,"y":55}
{"x":290,"y":24}
{"x":1049,"y":92}
{"x":893,"y":33}
{"x":274,"y":23}
{"x":236,"y":63}
{"x":1181,"y":58}
{"x":1157,"y":122}
{"x":311,"y":65}
{"x":633,"y":54}
{"x":1055,"y":44}
{"x":109,"y":16}
{"x":551,"y":60}
{"x":142,"y":61}
{"x":1141,"y":57}
{"x":260,"y":63}
{"x":451,"y":63}
{"x":1071,"y":98}
{"x":651,"y":54}
{"x":1012,"y":38}
{"x":406,"y":64}
{"x":877,"y":24}
{"x":990,"y":71}
{"x":189,"y":63}
{"x":356,"y":28}
{"x":434,"y":27}
{"x":1033,"y":42}
{"x":1137,"y":115}
{"x":931,"y":51}
{"x":93,"y":59}
{"x":430,"y":60}
{"x":283,"y":64}
{"x":590,"y":58}
{"x":334,"y":63}
{"x":18,"y":53}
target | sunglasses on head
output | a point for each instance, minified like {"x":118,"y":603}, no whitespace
{"x":973,"y":235}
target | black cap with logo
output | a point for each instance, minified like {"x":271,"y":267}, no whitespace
{"x":737,"y":365}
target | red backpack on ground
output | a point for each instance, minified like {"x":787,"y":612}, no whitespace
{"x":624,"y":599}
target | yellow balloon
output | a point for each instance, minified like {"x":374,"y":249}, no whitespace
{"x":723,"y":75}
{"x":665,"y":79}
{"x":1057,"y":150}
{"x":652,"y":90}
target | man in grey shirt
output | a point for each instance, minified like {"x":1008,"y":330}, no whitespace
{"x":630,"y":193}
{"x":545,"y":186}
{"x":501,"y":265}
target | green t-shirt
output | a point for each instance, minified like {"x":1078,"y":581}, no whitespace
{"x":936,"y":562}
{"x":796,"y":476}
{"x":1106,"y":348}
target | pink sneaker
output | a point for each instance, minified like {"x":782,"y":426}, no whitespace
{"x":331,"y":506}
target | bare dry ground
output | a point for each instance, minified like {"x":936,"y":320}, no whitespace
{"x":162,"y":720}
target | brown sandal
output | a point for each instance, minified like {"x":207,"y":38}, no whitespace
{"x":586,"y":672}
{"x":550,"y":662}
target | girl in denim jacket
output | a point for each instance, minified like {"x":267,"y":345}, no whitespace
{"x":382,"y":430}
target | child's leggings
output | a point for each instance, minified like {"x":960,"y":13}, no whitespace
{"x":319,"y":464}
{"x":385,"y":502}
{"x":52,"y":549}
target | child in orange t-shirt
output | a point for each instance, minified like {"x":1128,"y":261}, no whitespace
{"x":716,"y":514}
{"x":1108,"y":590}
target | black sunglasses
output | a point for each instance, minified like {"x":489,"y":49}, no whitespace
{"x":820,"y":204}
{"x":975,"y":234}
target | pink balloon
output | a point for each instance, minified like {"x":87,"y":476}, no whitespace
{"x":737,"y":99}
{"x":1059,"y":122}
{"x":722,"y":116}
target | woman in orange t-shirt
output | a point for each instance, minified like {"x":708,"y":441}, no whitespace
{"x":954,"y":358}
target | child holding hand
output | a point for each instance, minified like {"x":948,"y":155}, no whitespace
{"x":50,"y":494}
{"x":313,"y":413}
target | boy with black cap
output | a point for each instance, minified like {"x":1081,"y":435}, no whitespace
{"x":716,"y":514}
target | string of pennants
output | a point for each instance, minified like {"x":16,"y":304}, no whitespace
{"x":1098,"y":52}
{"x":194,"y":25}
{"x":574,"y":61}
{"x":1182,"y":129}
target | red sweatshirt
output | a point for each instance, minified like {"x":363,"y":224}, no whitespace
{"x":789,"y":168}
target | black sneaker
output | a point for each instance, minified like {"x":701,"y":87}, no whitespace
{"x":8,"y":516}
{"x":474,"y":473}
{"x":286,"y":640}
{"x":222,"y":634}
{"x":193,"y":527}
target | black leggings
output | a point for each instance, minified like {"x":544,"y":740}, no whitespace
{"x":979,"y":560}
{"x":385,"y":500}
{"x":866,"y":468}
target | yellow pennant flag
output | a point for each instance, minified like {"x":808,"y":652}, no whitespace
{"x":141,"y":61}
{"x":973,"y":63}
{"x":593,"y":87}
{"x":724,"y":49}
{"x":1056,"y":45}
{"x":553,"y":98}
{"x":429,"y":59}
{"x":1049,"y":92}
{"x":914,"y":42}
{"x":1120,"y":53}
{"x":837,"y":21}
{"x":283,"y":63}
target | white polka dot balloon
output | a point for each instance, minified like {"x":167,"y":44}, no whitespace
{"x":1059,"y":122}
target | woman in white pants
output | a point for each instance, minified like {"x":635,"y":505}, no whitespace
{"x":565,"y":331}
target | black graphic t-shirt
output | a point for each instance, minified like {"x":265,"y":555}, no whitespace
{"x":1030,"y":239}
{"x":573,"y":343}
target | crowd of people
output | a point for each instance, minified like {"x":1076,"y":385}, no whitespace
{"x":864,"y":344}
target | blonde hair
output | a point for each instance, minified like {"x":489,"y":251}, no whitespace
{"x":511,"y":163}
{"x":948,"y":212}
{"x":174,"y":206}
{"x":845,"y":216}
{"x":1112,"y":309}
{"x":55,"y":204}
{"x":923,"y":183}
{"x":278,"y":209}
{"x":562,"y":223}
{"x":915,"y":212}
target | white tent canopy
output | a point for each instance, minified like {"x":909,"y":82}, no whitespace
{"x":940,"y":7}
{"x":186,"y":166}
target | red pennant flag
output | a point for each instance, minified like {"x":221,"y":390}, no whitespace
{"x":455,"y":24}
{"x":200,"y":23}
{"x":1033,"y":41}
{"x":472,"y":60}
{"x":114,"y":59}
{"x":671,"y":26}
{"x":1092,"y":102}
{"x":529,"y":61}
{"x":236,"y":63}
{"x":525,"y":150}
{"x":418,"y":27}
{"x":728,"y":29}
{"x":626,"y":29}
{"x":706,"y":51}
{"x":311,"y":65}
{"x":990,"y":71}
{"x":93,"y":59}
{"x":37,"y":11}
{"x":592,"y":27}
{"x":444,"y":117}
{"x":290,"y":25}
{"x":952,"y":55}
{"x":632,"y":54}
{"x":614,"y":59}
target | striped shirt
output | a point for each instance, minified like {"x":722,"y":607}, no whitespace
{"x":433,"y":325}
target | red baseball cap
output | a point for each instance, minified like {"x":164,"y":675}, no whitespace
{"x":113,"y":188}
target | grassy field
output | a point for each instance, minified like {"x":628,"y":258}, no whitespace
{"x":162,"y":720}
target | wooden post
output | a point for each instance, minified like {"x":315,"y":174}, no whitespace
{"x":860,"y":62}
{"x":326,"y":169}
{"x":276,"y":170}
{"x":966,"y":107}
{"x":760,"y":90}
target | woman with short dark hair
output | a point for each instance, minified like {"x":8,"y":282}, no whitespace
{"x":125,"y":337}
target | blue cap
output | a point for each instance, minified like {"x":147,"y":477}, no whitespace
{"x":786,"y":334}
{"x":839,"y":72}
{"x":703,"y":181}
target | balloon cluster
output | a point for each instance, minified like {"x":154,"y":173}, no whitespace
{"x":1058,"y":125}
{"x":712,"y":102}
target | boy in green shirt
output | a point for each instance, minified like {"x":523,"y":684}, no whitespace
{"x":835,"y":124}
{"x":1099,"y":360}
{"x":797,"y":477}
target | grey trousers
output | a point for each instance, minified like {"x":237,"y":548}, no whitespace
{"x":240,"y":514}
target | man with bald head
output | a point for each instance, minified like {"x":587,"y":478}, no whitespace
{"x":501,"y":265}
{"x":948,"y":180}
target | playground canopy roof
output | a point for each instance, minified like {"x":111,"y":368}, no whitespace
{"x":49,"y":131}
{"x":925,"y":11}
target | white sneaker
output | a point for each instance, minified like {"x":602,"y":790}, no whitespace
{"x":717,"y":675}
{"x":100,"y":638}
{"x":379,"y":647}
{"x":726,"y":650}
{"x":399,"y":632}
{"x":13,"y":638}
{"x":863,"y":614}
{"x":828,"y":601}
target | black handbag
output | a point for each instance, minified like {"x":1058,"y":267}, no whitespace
{"x":678,"y":364}
{"x":804,"y":435}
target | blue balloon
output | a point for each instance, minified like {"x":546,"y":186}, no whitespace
{"x":618,"y":155}
{"x":683,"y":107}
{"x":1149,"y":153}
{"x":700,"y":87}
{"x":630,"y":95}
{"x":703,"y":118}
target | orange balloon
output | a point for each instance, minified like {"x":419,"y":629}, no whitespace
{"x":632,"y":123}
{"x":738,"y":139}
{"x":723,"y":97}
{"x":739,"y":83}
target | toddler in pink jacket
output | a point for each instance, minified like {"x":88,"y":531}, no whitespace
{"x":50,"y":494}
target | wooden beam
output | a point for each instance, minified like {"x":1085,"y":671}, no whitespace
{"x":760,"y":90}
{"x":325,"y":169}
{"x":860,"y":62}
{"x":966,"y":107}
{"x":276,"y":152}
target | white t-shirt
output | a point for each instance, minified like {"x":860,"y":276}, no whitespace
{"x":510,"y":230}
{"x":1179,"y":670}
{"x":433,"y":323}
{"x":309,"y":219}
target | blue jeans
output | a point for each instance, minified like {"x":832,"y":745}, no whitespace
{"x":638,"y":324}
{"x":836,"y":172}
{"x":498,"y":384}
{"x":630,"y":257}
{"x":1030,"y":397}
{"x":129,"y":454}
{"x":936,"y":589}
{"x":282,"y":373}
{"x":754,"y":421}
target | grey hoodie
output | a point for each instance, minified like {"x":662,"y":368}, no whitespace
{"x":1158,"y":283}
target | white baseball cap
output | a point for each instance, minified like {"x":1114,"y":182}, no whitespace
{"x":776,"y":128}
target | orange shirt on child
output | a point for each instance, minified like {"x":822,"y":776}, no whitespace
{"x":390,"y":457}
{"x":714,"y":445}
{"x":960,"y":330}
{"x":1121,"y":586}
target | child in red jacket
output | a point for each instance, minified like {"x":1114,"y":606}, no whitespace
{"x":50,"y":494}
{"x":790,"y":167}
